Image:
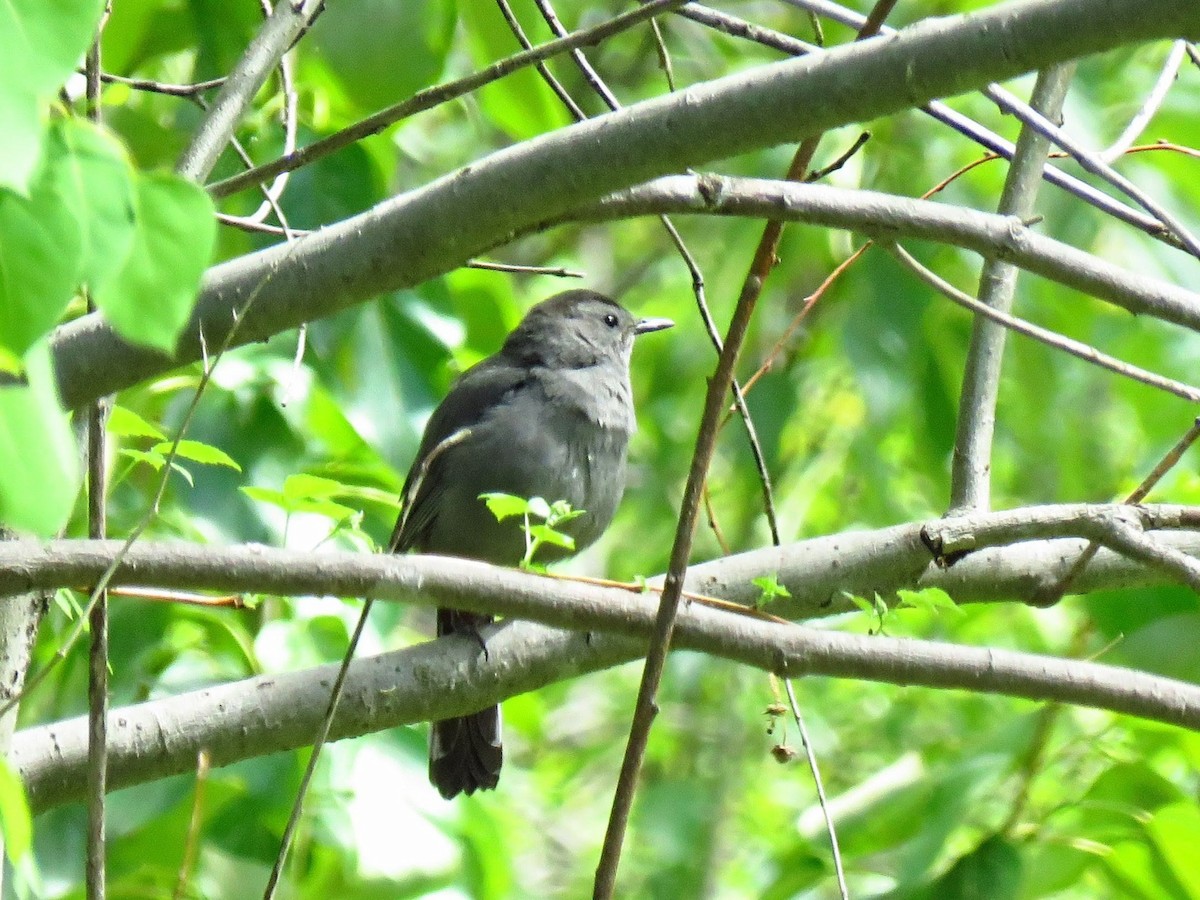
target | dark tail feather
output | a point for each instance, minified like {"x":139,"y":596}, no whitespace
{"x":465,"y":753}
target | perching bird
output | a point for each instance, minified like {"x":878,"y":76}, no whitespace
{"x":549,"y":415}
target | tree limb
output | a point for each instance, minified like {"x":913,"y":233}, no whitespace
{"x":272,"y":713}
{"x":429,"y":231}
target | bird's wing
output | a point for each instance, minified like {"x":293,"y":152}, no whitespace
{"x":476,"y":393}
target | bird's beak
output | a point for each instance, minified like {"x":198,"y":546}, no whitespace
{"x":645,"y":326}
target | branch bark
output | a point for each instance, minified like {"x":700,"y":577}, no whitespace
{"x":272,"y":713}
{"x":279,"y":712}
{"x":986,"y":557}
{"x":427,"y":232}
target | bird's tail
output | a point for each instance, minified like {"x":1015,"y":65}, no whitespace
{"x":465,"y":753}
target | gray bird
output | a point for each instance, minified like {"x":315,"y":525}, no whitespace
{"x":549,"y":415}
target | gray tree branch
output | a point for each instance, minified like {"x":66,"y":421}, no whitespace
{"x":427,"y":232}
{"x":890,"y":217}
{"x":971,"y":467}
{"x":284,"y":25}
{"x":279,"y":712}
{"x":993,"y":556}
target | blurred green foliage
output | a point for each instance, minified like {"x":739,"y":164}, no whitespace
{"x":943,"y":794}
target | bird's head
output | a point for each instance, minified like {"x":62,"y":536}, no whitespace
{"x":577,"y":329}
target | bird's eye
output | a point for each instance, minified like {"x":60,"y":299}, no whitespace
{"x":610,"y":320}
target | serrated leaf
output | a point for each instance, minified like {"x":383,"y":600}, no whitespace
{"x":539,"y":507}
{"x":126,"y":423}
{"x":197,"y":451}
{"x":293,"y":503}
{"x":150,"y":298}
{"x":149,"y":457}
{"x":155,"y":460}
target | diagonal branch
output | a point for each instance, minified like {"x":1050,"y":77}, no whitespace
{"x":286,"y":22}
{"x":426,"y":232}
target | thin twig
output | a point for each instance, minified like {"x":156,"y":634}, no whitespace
{"x":645,"y":708}
{"x":842,"y":159}
{"x":191,"y":846}
{"x":247,"y":224}
{"x":97,"y":469}
{"x":750,"y":31}
{"x":1150,"y":106}
{"x":811,"y":754}
{"x":439,"y":94}
{"x":554,"y":271}
{"x":760,"y":460}
{"x":664,"y":56}
{"x":1050,"y":338}
{"x":185,"y":598}
{"x":1168,"y":461}
{"x":161,"y":87}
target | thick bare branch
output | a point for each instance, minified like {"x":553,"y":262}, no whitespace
{"x":890,"y":218}
{"x":278,"y":712}
{"x":426,"y":232}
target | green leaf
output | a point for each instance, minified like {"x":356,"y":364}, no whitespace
{"x":151,"y":458}
{"x":1175,"y":830}
{"x":150,"y":298}
{"x":992,"y":871}
{"x":770,"y":587}
{"x":40,"y":45}
{"x":546,"y":535}
{"x":308,"y":486}
{"x":39,"y":266}
{"x":931,"y":599}
{"x":39,"y":470}
{"x":126,"y":423}
{"x":89,"y":174}
{"x":294,"y":503}
{"x":155,"y":460}
{"x":863,"y":604}
{"x":561,"y":511}
{"x":15,"y":820}
{"x":504,"y":506}
{"x":267,"y":495}
{"x":538,"y":506}
{"x":198,"y":451}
